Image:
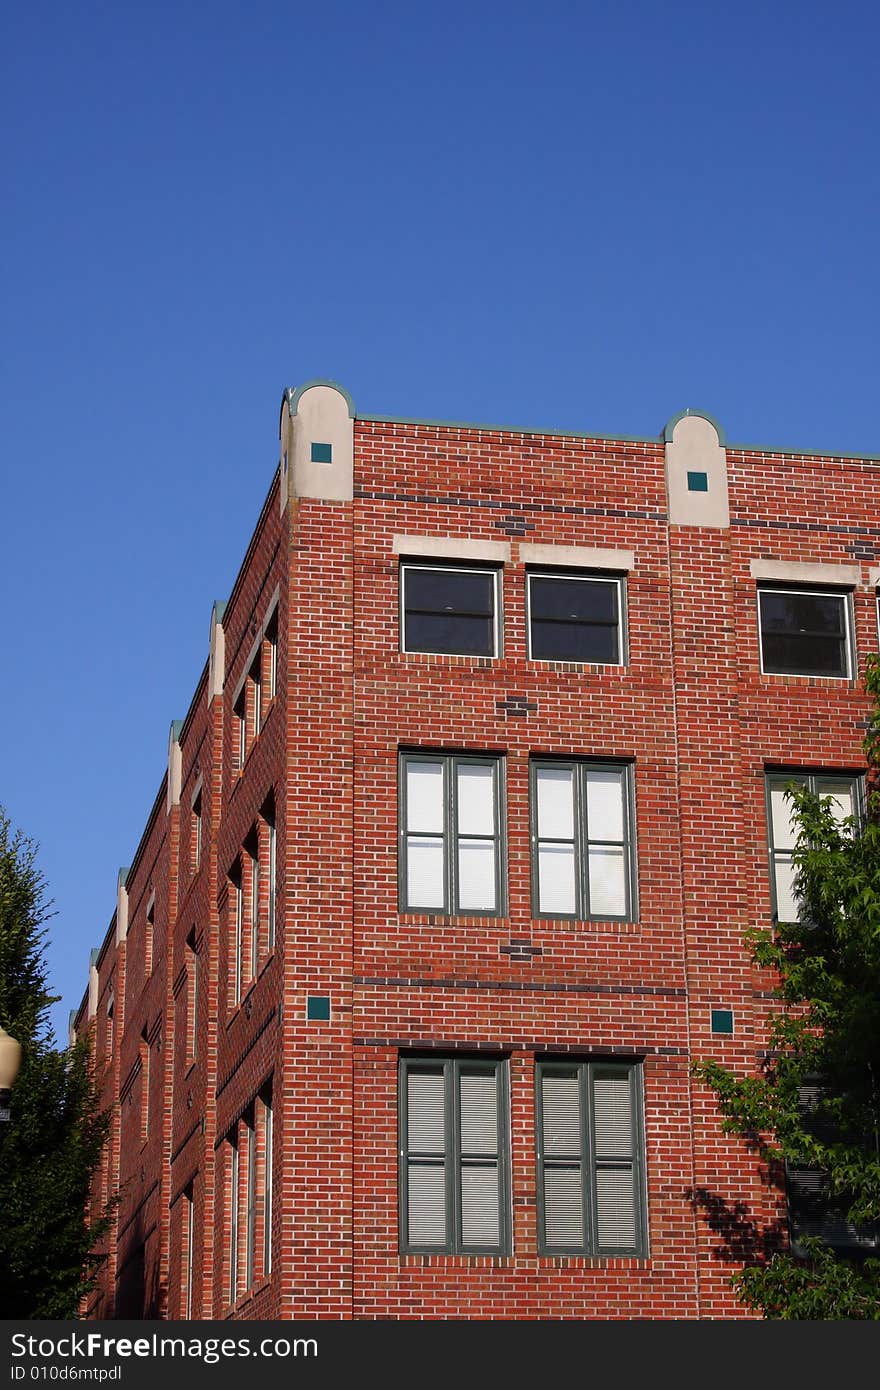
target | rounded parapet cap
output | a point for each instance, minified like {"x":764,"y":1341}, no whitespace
{"x":122,"y":876}
{"x":669,"y":427}
{"x":176,"y":726}
{"x":217,"y":611}
{"x":293,"y":394}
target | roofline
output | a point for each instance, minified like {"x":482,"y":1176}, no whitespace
{"x":614,"y":438}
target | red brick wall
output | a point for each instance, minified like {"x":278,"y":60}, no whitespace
{"x":691,"y":712}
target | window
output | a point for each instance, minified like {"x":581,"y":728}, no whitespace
{"x":187,"y":1251}
{"x":575,"y":618}
{"x":255,"y":683}
{"x":583,"y":862}
{"x":449,"y":610}
{"x":805,"y":632}
{"x":144,"y":1051}
{"x":271,"y":640}
{"x":269,"y":818}
{"x":239,"y":711}
{"x":149,"y":929}
{"x":192,"y":995}
{"x":845,"y":791}
{"x":196,"y":830}
{"x":249,"y":1194}
{"x":237,"y":932}
{"x":233,"y":1201}
{"x":453,"y":1148}
{"x":450,"y":833}
{"x":590,"y":1159}
{"x":811,"y":1208}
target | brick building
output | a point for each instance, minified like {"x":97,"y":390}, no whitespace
{"x":446,"y":883}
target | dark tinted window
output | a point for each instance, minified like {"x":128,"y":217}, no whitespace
{"x":449,"y":610}
{"x":803,"y":633}
{"x":574,"y":619}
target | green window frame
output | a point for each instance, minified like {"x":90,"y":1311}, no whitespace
{"x":580,"y":872}
{"x":451,"y":839}
{"x":780,"y":832}
{"x":454,"y":1169}
{"x":591,"y":1158}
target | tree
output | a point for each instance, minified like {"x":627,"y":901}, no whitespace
{"x":52,"y":1142}
{"x":815,"y":1108}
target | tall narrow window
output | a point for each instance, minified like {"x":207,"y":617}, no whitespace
{"x":269,"y":816}
{"x":267,"y":1182}
{"x":583,"y":863}
{"x":192,"y":995}
{"x":255,"y":683}
{"x":149,"y":930}
{"x":453,"y":1151}
{"x":236,"y":914}
{"x":239,"y":729}
{"x":233,"y":1184}
{"x":250,"y":1198}
{"x":187,"y":1232}
{"x":196,"y":831}
{"x":251,"y":944}
{"x":845,"y":793}
{"x":109,"y":1047}
{"x":271,"y":641}
{"x":590,"y":1158}
{"x":450,"y":833}
{"x":145,"y":1084}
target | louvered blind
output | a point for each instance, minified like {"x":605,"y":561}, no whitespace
{"x":810,"y":1201}
{"x":563,"y":1167}
{"x":591,"y":1196}
{"x":426,"y":1167}
{"x":478,"y":1142}
{"x":616,"y":1224}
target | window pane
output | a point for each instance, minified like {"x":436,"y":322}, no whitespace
{"x":479,"y":1113}
{"x":476,"y":875}
{"x":556,"y":893}
{"x":787,"y":906}
{"x":563,"y":1208}
{"x":615,"y":1208}
{"x":841,"y":792}
{"x":425,"y":873}
{"x":555,"y":803}
{"x":561,"y":1114}
{"x":476,"y":799}
{"x":805,"y":614}
{"x":612,"y":1114}
{"x":424,"y":797}
{"x":450,"y":591}
{"x":605,"y":803}
{"x":426,"y":1204}
{"x":804,"y":656}
{"x":425,"y":1112}
{"x":480,"y":1207}
{"x":573,"y":600}
{"x":573,"y":642}
{"x":445,"y":633}
{"x":784,"y":828}
{"x":607,"y":867}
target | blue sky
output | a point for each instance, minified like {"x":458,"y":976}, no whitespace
{"x":585,"y":216}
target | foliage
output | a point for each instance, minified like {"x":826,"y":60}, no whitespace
{"x":52,"y":1142}
{"x":828,"y":1030}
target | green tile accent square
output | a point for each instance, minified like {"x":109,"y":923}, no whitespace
{"x":697,"y":482}
{"x":318,"y":1008}
{"x":322,"y":453}
{"x":722,"y":1020}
